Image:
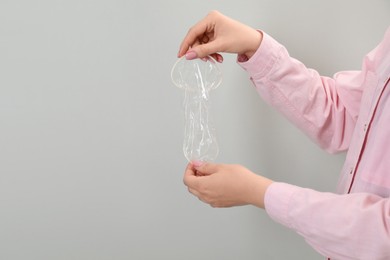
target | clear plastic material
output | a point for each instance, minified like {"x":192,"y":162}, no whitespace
{"x":197,"y":78}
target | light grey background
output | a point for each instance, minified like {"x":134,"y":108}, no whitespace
{"x":91,"y":127}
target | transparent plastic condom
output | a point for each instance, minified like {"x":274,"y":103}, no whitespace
{"x":197,"y":78}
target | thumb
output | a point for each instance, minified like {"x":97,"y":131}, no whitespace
{"x":206,"y":168}
{"x":206,"y":49}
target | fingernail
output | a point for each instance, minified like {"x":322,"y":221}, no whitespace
{"x":197,"y":163}
{"x":190,"y":55}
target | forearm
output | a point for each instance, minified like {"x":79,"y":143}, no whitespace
{"x":257,"y":190}
{"x":293,"y":89}
{"x":350,"y":226}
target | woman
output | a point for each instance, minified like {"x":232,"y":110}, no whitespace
{"x":350,"y":111}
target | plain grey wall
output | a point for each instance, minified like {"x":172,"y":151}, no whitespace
{"x":91,"y":127}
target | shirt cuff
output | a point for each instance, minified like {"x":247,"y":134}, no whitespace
{"x":277,"y":202}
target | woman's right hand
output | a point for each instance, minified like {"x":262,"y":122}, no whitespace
{"x":226,"y":185}
{"x":218,"y":33}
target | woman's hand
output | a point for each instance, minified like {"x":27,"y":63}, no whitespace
{"x":223,"y":185}
{"x":218,"y":33}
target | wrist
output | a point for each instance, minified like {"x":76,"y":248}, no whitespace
{"x":254,"y":44}
{"x":261,"y":185}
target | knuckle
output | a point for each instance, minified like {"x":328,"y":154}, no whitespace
{"x":213,"y":13}
{"x":191,"y":29}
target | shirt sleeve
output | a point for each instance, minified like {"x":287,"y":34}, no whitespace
{"x":349,"y":226}
{"x":325,"y":108}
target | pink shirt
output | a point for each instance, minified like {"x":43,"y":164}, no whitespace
{"x":350,"y":111}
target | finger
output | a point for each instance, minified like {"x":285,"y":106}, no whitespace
{"x":207,"y":168}
{"x":218,"y":57}
{"x":203,"y":50}
{"x":190,"y":178}
{"x":193,"y":51}
{"x":196,"y":32}
{"x":201,"y":33}
{"x":198,"y":195}
{"x":194,"y":192}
